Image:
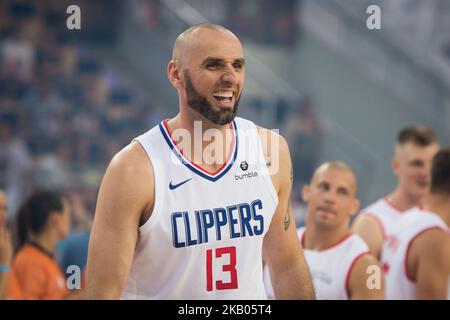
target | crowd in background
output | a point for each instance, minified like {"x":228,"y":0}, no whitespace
{"x":64,"y":113}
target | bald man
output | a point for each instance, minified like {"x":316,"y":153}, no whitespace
{"x":188,"y":209}
{"x":341,"y":265}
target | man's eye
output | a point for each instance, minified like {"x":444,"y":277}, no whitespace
{"x":323,"y":186}
{"x":212,"y":65}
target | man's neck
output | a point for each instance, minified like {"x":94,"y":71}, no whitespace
{"x":402,"y":201}
{"x":209,"y":150}
{"x":320,"y":238}
{"x":440,"y":205}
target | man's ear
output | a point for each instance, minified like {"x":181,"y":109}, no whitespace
{"x":306,"y":191}
{"x":395,"y":165}
{"x":354,"y":207}
{"x":173,"y":73}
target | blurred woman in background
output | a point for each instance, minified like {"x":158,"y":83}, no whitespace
{"x":41,"y":222}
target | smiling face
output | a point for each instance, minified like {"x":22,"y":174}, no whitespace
{"x":208,"y":71}
{"x":331,"y":197}
{"x":412,"y":166}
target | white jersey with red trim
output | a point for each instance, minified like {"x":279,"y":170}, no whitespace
{"x":395,"y":251}
{"x":330,"y":268}
{"x":204,"y":237}
{"x":385,"y":214}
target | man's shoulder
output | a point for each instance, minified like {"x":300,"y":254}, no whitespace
{"x":131,"y":155}
{"x":272,"y":140}
{"x":130,"y":167}
{"x":432,"y":244}
{"x":374,"y":207}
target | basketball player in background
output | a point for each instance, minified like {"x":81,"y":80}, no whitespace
{"x":339,"y":261}
{"x":417,"y":257}
{"x":170,"y":224}
{"x":414,"y":150}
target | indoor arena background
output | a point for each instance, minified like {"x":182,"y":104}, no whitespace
{"x":71,"y":99}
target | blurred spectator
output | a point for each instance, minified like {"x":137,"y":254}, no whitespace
{"x":41,"y":222}
{"x":147,"y":13}
{"x":305,"y":131}
{"x":267,"y":21}
{"x":18,"y":57}
{"x":15,"y":160}
{"x":73,"y":250}
{"x":81,"y":216}
{"x":5,"y":246}
{"x":14,"y":154}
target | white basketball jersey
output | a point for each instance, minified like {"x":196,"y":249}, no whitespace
{"x":385,"y":214}
{"x":204,"y":237}
{"x":330,"y":268}
{"x":395,"y":251}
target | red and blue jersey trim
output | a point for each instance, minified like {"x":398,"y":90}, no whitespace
{"x":196,"y":168}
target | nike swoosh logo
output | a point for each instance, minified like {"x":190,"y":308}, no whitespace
{"x":174,"y":186}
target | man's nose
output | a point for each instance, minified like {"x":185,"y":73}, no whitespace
{"x":330,"y":197}
{"x":230,"y":75}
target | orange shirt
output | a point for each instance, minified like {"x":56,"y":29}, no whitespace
{"x":13,"y":288}
{"x":37,"y":275}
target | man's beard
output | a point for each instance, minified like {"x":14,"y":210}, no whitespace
{"x":200,"y":104}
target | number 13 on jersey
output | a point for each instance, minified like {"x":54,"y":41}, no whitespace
{"x":230,"y":268}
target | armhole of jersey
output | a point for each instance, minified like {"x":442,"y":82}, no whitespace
{"x":266,"y":176}
{"x":379,"y":223}
{"x":349,"y":272}
{"x":301,"y":236}
{"x":154,"y":215}
{"x":405,"y":263}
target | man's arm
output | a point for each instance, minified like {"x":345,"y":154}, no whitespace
{"x":126,"y":192}
{"x":282,"y":252}
{"x":368,"y":228}
{"x":432,"y":250}
{"x":366,"y":279}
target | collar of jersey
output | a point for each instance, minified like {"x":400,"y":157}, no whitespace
{"x":196,"y":168}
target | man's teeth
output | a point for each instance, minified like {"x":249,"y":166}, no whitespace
{"x":223,"y":94}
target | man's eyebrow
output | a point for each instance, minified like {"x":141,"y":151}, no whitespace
{"x":219,"y":60}
{"x":416,"y":161}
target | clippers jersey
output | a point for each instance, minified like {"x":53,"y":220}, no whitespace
{"x":204,"y":237}
{"x":395,"y":251}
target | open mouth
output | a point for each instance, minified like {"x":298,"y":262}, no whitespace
{"x":223,"y":97}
